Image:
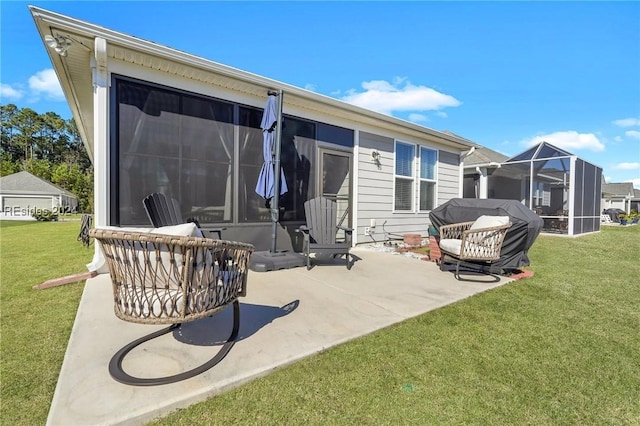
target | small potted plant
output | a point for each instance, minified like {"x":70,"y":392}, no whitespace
{"x":624,"y":218}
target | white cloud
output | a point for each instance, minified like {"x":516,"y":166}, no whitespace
{"x":310,"y":86}
{"x":6,"y":91}
{"x":617,"y":139}
{"x":417,"y":118}
{"x":633,"y":134}
{"x":636,"y":183}
{"x":442,"y":114}
{"x":627,"y":122}
{"x":627,"y":166}
{"x":569,"y":140}
{"x":46,"y":82}
{"x":399,"y":95}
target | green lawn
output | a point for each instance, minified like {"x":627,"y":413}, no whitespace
{"x":36,"y":324}
{"x":562,"y":347}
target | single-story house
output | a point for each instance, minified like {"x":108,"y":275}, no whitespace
{"x":563,"y":189}
{"x":620,"y":196}
{"x":22,"y":194}
{"x":155,"y":119}
{"x":479,"y":164}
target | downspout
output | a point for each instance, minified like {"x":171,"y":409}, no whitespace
{"x":461,"y":159}
{"x":355,"y":182}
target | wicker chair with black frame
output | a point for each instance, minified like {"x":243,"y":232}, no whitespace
{"x":477,"y":243}
{"x":172,"y":279}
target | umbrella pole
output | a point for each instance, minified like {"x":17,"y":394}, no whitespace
{"x":273,"y":260}
{"x":275,"y":202}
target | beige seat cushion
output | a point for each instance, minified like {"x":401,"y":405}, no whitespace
{"x":451,"y":245}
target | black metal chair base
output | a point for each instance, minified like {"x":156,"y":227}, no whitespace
{"x":489,"y":271}
{"x":115,"y":365}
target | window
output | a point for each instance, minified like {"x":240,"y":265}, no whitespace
{"x":407,"y":182}
{"x":174,"y":143}
{"x":428,"y":161}
{"x":404,"y":176}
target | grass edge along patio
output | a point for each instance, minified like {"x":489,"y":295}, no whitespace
{"x":559,"y":347}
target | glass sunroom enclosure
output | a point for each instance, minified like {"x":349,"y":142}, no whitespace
{"x":564,"y":190}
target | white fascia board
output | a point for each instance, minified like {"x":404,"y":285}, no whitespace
{"x":492,"y":164}
{"x":42,"y":16}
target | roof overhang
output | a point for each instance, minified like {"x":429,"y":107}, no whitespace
{"x":75,"y":76}
{"x":491,"y":165}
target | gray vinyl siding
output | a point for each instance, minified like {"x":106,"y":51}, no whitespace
{"x":375,"y":183}
{"x":448,"y":177}
{"x":375,"y":191}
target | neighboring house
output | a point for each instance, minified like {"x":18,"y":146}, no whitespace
{"x":478,"y":166}
{"x":560,"y":187}
{"x":154,"y":119}
{"x":22,"y":194}
{"x":620,"y":196}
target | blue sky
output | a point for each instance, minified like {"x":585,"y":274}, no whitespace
{"x":502,"y":74}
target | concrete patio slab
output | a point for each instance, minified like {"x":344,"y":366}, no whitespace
{"x":286,"y":316}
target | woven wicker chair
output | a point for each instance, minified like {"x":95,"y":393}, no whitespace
{"x":473,"y":242}
{"x":165,"y":279}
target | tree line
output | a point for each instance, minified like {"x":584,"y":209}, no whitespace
{"x":47,"y":146}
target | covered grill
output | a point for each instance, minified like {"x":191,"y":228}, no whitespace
{"x":525,"y":228}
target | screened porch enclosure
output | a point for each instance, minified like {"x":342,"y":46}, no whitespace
{"x":207,"y":154}
{"x":559,"y":187}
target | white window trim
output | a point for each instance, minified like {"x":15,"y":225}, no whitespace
{"x":421,"y":179}
{"x":414,"y":168}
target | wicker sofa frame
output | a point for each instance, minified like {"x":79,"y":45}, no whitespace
{"x":482,"y":245}
{"x":166,"y":279}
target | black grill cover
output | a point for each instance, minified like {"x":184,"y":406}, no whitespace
{"x":525,"y":228}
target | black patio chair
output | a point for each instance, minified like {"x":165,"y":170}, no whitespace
{"x":320,"y":232}
{"x":165,"y":211}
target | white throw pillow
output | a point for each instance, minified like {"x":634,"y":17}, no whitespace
{"x":185,"y":229}
{"x":486,"y":221}
{"x":181,"y":230}
{"x":99,"y":264}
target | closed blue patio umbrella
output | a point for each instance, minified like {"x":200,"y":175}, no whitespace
{"x":266,"y":186}
{"x":271,"y":184}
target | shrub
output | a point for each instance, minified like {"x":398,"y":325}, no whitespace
{"x":45,"y":216}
